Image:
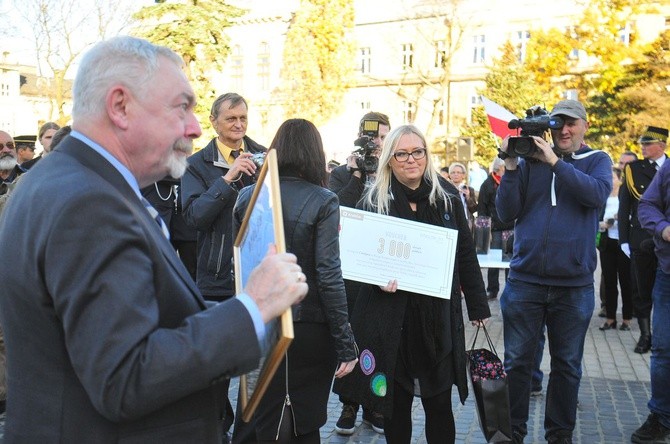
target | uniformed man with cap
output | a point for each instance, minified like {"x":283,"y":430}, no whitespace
{"x":25,"y":148}
{"x":634,"y":240}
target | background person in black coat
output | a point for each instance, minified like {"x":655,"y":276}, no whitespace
{"x":348,"y":182}
{"x":487,"y":207}
{"x":633,"y":239}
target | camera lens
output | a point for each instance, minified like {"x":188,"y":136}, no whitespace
{"x":524,"y":146}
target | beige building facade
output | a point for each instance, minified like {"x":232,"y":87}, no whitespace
{"x":400,"y":66}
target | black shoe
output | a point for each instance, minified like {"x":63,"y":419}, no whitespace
{"x":517,"y":437}
{"x":347,"y":422}
{"x":602,"y":313}
{"x":650,"y":432}
{"x":624,"y":326}
{"x":643,"y":344}
{"x":375,"y":420}
{"x":608,"y":326}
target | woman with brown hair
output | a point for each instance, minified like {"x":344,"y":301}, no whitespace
{"x":294,"y":406}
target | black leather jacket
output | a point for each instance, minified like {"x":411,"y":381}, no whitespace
{"x":311,"y":223}
{"x":207,"y":202}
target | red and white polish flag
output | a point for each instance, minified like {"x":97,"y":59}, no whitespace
{"x":498,"y":118}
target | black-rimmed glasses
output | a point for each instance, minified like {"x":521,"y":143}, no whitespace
{"x":403,"y":156}
{"x":9,"y":145}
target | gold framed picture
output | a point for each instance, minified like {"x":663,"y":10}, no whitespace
{"x":262,"y":225}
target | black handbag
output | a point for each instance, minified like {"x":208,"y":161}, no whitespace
{"x":490,"y":386}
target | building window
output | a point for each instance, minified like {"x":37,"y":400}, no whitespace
{"x":407,"y":56}
{"x":264,"y":66}
{"x":521,"y":41}
{"x":407,"y":111}
{"x":475,"y":102}
{"x":479,"y":48}
{"x":624,"y":34}
{"x":237,"y":63}
{"x":366,"y":60}
{"x":574,"y":53}
{"x":571,"y":94}
{"x":440,"y":54}
{"x":441,"y":112}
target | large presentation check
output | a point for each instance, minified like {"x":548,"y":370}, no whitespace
{"x":375,"y":249}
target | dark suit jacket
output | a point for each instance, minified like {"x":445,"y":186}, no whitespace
{"x":636,"y":179}
{"x":108,"y":339}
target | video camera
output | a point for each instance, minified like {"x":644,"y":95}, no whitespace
{"x":367,"y":161}
{"x":537,"y":123}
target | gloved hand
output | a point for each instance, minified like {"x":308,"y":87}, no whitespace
{"x":626,"y":249}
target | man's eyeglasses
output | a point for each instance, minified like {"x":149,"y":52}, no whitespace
{"x":403,"y":156}
{"x":9,"y":145}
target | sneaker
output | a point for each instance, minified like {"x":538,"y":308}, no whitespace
{"x":347,"y":422}
{"x":650,"y":432}
{"x":375,"y":420}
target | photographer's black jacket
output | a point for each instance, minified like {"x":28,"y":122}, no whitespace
{"x":208,"y":202}
{"x":348,"y":187}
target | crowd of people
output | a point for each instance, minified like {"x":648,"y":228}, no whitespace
{"x":121,"y":316}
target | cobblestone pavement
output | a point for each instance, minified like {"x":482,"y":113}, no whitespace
{"x":613,"y":395}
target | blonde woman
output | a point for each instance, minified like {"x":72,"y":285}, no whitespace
{"x":412,"y":344}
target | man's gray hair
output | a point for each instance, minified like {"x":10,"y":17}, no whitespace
{"x":125,"y":60}
{"x":496,"y":164}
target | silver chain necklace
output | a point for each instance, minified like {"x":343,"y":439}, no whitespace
{"x":164,"y":199}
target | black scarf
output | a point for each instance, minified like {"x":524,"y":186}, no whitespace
{"x":426,"y":317}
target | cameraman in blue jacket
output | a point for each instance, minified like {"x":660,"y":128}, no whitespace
{"x":555,"y":194}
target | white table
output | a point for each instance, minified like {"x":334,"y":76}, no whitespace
{"x":492,"y":260}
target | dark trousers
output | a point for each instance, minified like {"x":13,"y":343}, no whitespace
{"x":351,"y":288}
{"x":494,"y":273}
{"x":616,"y":268}
{"x":643,"y":267}
{"x":439,"y":418}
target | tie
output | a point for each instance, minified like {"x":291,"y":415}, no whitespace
{"x":235,"y":153}
{"x":154,"y":214}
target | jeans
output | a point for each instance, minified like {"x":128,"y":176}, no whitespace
{"x":566,"y":312}
{"x":660,"y":349}
{"x":537,"y":375}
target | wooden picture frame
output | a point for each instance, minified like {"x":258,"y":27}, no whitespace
{"x":262,"y":225}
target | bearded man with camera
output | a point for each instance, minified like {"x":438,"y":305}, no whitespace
{"x":554,"y":193}
{"x":348,"y":182}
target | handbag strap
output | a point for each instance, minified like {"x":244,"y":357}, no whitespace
{"x":488,"y":339}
